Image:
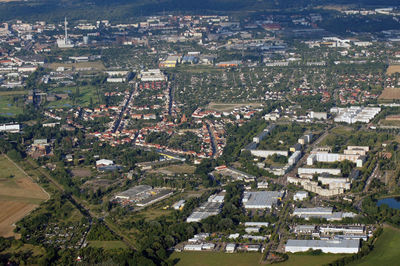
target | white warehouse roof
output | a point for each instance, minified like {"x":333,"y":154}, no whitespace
{"x":327,"y":246}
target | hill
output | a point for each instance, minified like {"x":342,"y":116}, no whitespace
{"x":121,"y":10}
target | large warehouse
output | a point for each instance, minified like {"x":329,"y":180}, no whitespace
{"x":133,"y":192}
{"x":327,"y":246}
{"x":261,"y":199}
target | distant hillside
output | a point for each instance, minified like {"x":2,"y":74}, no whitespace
{"x":124,"y":9}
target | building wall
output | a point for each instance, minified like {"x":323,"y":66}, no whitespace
{"x":324,"y":249}
{"x":266,"y":153}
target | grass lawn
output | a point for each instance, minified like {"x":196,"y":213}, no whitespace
{"x":385,"y":122}
{"x":8,"y":107}
{"x":215,"y":258}
{"x":8,"y":93}
{"x":85,"y":93}
{"x":108,"y":244}
{"x":180,"y":169}
{"x":386,"y":249}
{"x":17,"y":249}
{"x":309,"y":260}
{"x":242,"y":259}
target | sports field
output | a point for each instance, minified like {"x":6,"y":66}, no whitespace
{"x":386,"y":249}
{"x":19,"y":195}
{"x":246,"y":259}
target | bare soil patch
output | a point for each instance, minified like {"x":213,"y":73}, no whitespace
{"x":393,"y":69}
{"x":11,"y":212}
{"x":81,"y":172}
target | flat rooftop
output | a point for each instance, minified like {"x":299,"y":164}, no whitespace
{"x":134,"y":191}
{"x":350,"y":243}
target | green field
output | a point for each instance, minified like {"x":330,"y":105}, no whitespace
{"x":244,"y":259}
{"x":85,"y":93}
{"x":8,"y":93}
{"x":8,"y":107}
{"x":386,"y":249}
{"x":309,"y":260}
{"x":107,"y":244}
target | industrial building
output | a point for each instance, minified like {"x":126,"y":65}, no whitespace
{"x":326,"y":246}
{"x":133,"y":192}
{"x":304,"y":229}
{"x":318,"y":115}
{"x":12,"y":128}
{"x":355,"y":114}
{"x":230,"y":248}
{"x":153,"y":196}
{"x":209,"y":208}
{"x":152,"y":75}
{"x":256,"y":224}
{"x":201,"y":237}
{"x":261,"y":199}
{"x":199,"y":247}
{"x":300,"y":195}
{"x":252,"y":229}
{"x":345,"y":229}
{"x":179,"y":205}
{"x":104,"y":162}
{"x":234,"y":173}
{"x":171,"y":61}
{"x":322,"y":213}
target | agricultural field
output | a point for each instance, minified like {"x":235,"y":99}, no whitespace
{"x":393,"y":69}
{"x":228,"y":107}
{"x":392,"y":123}
{"x":386,"y":249}
{"x":19,"y":195}
{"x":242,"y":259}
{"x":390,"y":94}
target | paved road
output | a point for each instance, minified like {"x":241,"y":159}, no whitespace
{"x":375,"y":174}
{"x":283,"y":216}
{"x":121,"y":114}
